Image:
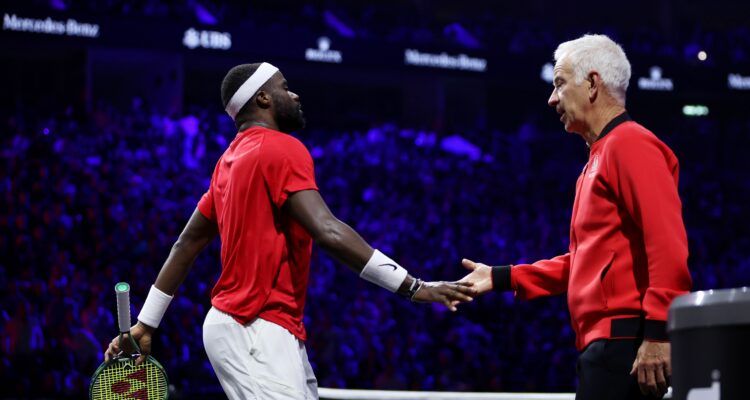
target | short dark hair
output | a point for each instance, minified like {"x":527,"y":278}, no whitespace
{"x":233,"y":80}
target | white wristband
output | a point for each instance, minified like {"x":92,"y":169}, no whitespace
{"x":384,"y":272}
{"x":154,"y":308}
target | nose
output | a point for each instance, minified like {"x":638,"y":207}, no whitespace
{"x":295,"y":96}
{"x":553,"y":99}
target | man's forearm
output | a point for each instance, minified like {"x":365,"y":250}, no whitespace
{"x":198,"y":233}
{"x":178,"y":265}
{"x":341,"y":241}
{"x":345,"y":245}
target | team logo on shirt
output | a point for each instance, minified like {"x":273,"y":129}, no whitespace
{"x":594,"y":166}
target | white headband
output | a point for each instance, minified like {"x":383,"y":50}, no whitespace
{"x":249,"y":88}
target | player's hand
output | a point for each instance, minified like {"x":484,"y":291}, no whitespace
{"x":480,"y":276}
{"x":141,"y":334}
{"x":450,"y":294}
{"x":653,"y":366}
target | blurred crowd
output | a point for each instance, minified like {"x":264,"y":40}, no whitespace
{"x":90,"y":201}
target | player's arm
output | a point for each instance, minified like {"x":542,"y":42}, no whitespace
{"x":342,"y":242}
{"x":526,"y":281}
{"x":198,"y":233}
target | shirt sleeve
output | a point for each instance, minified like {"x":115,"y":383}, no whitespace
{"x":206,"y":204}
{"x":645,"y":181}
{"x":287,"y":168}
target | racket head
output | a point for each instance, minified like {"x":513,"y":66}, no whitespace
{"x":120,"y":378}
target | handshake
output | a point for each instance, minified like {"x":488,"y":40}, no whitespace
{"x":450,"y":294}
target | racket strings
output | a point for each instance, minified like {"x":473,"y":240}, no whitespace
{"x":125,"y":380}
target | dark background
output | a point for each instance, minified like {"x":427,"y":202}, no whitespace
{"x":108,"y":143}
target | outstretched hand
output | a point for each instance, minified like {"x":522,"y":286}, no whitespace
{"x":450,"y":294}
{"x":141,"y":334}
{"x":480,"y":276}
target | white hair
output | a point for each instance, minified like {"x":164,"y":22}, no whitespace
{"x":599,"y":53}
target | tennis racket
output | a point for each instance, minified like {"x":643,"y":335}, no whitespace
{"x":120,"y":378}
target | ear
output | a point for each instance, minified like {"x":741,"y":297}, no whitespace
{"x":263,"y":99}
{"x":595,"y":85}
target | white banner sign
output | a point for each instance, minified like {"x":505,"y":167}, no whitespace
{"x":445,"y":61}
{"x":49,"y":26}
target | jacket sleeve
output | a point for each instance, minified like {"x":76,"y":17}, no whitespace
{"x":645,"y":174}
{"x":529,"y":281}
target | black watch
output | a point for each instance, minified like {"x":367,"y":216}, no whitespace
{"x":413,"y":288}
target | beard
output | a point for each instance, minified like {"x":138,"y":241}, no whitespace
{"x":289,"y":117}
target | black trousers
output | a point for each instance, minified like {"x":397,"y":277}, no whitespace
{"x":604,"y":371}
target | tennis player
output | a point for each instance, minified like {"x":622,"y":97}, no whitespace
{"x":264,"y":204}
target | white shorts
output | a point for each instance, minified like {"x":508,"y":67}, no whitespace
{"x":260,"y":360}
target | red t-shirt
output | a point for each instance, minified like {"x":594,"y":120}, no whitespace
{"x":265,"y":254}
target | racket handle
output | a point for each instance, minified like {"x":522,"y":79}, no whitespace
{"x":122,"y":290}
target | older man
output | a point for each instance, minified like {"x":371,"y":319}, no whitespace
{"x":628,"y":251}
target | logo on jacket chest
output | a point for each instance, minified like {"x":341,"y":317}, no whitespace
{"x":594,"y":166}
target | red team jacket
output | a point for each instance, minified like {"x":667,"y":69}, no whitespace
{"x":628,"y":250}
